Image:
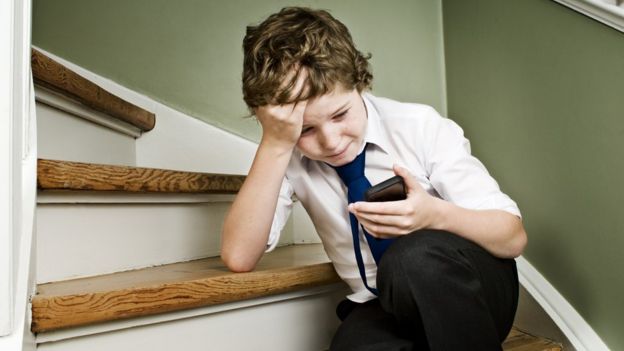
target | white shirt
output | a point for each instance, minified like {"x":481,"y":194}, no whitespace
{"x":414,"y":136}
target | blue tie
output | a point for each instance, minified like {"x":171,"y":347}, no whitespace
{"x":352,"y":175}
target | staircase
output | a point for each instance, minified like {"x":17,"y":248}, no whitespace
{"x":127,"y":255}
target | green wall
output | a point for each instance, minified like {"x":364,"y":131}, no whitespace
{"x":187,"y":54}
{"x":539,"y":90}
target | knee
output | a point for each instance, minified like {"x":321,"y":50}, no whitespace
{"x":423,"y":258}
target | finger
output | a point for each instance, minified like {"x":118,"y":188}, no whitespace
{"x":379,"y":230}
{"x":300,"y":86}
{"x":411,"y":183}
{"x":385,"y":220}
{"x":396,"y":208}
{"x":293,"y":84}
{"x":300,"y":107}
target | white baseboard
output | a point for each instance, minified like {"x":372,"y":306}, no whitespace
{"x":601,"y":11}
{"x":568,"y":320}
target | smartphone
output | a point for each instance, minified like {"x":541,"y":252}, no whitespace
{"x":392,"y":189}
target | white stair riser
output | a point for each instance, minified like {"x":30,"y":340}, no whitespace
{"x":302,"y":324}
{"x":78,"y":240}
{"x":62,"y":136}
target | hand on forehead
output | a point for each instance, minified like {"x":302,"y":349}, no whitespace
{"x":294,"y":84}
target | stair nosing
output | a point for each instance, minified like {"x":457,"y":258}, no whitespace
{"x":81,"y":176}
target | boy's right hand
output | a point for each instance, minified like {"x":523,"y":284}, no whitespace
{"x":281,"y":124}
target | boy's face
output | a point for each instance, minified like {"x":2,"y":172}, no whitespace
{"x":334,"y":126}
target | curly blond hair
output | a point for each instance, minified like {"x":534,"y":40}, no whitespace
{"x":294,"y":39}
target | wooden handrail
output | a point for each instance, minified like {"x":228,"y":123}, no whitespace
{"x":54,"y":76}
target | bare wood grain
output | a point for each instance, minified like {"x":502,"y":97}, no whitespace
{"x":521,"y":341}
{"x":66,"y":175}
{"x":52,"y":75}
{"x":187,"y":285}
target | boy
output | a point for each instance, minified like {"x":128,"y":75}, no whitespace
{"x":434,"y":271}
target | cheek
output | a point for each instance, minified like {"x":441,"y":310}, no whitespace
{"x":356,"y":128}
{"x":306,"y":145}
{"x":363,"y":127}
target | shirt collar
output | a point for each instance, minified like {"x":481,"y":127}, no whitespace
{"x":375,"y":132}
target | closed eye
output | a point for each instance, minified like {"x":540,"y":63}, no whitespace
{"x":341,"y":114}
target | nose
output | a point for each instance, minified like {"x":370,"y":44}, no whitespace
{"x":329,"y":138}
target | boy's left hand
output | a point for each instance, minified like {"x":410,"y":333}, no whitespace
{"x":394,"y":218}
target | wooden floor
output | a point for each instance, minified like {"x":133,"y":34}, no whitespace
{"x":521,"y":341}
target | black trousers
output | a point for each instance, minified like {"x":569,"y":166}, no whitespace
{"x":438,"y":292}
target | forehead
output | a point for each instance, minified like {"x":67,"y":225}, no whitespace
{"x":325,"y":105}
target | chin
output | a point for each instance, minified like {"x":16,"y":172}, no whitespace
{"x":336,"y":164}
{"x":342,"y":161}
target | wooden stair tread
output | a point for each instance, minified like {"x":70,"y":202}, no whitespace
{"x":522,"y":341}
{"x":175,"y":287}
{"x":56,"y":77}
{"x":197,"y":283}
{"x":66,"y":175}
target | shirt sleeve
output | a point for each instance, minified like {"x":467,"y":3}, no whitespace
{"x":282,"y":212}
{"x":458,"y":176}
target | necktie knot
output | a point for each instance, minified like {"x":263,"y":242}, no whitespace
{"x":353,"y":170}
